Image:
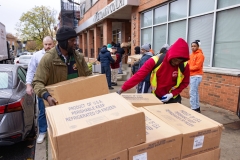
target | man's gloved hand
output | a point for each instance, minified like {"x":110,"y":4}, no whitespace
{"x":166,"y":97}
{"x":119,"y":91}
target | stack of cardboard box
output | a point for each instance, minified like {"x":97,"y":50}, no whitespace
{"x":94,"y":128}
{"x":200,"y":136}
{"x":90,"y":124}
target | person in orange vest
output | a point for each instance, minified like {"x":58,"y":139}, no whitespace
{"x":196,"y":71}
{"x":169,"y":78}
{"x":151,"y":49}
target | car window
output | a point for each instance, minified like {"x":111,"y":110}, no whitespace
{"x":5,"y":80}
{"x":25,"y":57}
{"x":22,"y":74}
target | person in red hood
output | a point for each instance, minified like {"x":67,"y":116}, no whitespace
{"x":167,"y":74}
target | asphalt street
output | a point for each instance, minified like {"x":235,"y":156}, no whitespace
{"x":20,"y":151}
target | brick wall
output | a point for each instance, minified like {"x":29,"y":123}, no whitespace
{"x":218,"y":90}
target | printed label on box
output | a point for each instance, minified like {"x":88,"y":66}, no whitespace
{"x":142,"y":156}
{"x":198,"y":142}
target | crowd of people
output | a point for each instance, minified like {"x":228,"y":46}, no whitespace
{"x":165,"y":74}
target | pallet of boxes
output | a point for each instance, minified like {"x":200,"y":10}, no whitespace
{"x":90,"y":124}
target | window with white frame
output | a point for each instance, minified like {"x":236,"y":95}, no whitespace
{"x":116,"y":36}
{"x":227,"y":39}
{"x":214,"y":22}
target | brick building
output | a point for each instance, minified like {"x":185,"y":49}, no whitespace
{"x":214,"y":22}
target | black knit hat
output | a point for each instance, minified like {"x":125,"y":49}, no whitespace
{"x":65,"y":33}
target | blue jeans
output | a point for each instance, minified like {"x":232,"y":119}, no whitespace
{"x":42,"y":122}
{"x":194,"y":95}
{"x":120,"y":68}
{"x":107,"y":70}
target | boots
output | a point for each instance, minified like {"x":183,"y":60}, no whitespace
{"x":197,"y":110}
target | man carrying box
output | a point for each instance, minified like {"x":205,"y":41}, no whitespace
{"x":59,"y":64}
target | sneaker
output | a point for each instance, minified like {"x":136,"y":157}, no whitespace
{"x":41,"y":137}
{"x":120,"y":73}
{"x":114,"y":84}
{"x":110,"y":88}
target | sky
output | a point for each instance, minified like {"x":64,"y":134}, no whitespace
{"x":11,"y":10}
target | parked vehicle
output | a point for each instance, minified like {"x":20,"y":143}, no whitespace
{"x":24,"y":60}
{"x":17,"y":109}
{"x":5,"y":55}
{"x":23,"y":53}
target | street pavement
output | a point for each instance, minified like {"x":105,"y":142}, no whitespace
{"x":21,"y":151}
{"x":230,"y":141}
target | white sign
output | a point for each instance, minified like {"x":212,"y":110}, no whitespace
{"x":110,"y":8}
{"x":142,"y":156}
{"x":105,"y":12}
{"x":198,"y":142}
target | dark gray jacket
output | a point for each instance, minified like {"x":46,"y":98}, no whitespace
{"x":105,"y":57}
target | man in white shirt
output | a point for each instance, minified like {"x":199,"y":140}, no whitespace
{"x":32,"y":67}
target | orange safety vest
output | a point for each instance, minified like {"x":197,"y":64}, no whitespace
{"x":153,"y":78}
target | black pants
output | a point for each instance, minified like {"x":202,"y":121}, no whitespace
{"x":178,"y":99}
{"x":107,"y":70}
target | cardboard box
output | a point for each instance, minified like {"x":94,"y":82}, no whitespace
{"x":134,"y":58}
{"x":86,"y":59}
{"x":114,"y":57}
{"x":163,"y":141}
{"x":92,"y":60}
{"x":78,"y":88}
{"x":123,"y":155}
{"x":94,"y":128}
{"x":200,"y":133}
{"x":211,"y":155}
{"x":142,"y":100}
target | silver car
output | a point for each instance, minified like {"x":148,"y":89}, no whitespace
{"x":17,"y":109}
{"x":24,"y":60}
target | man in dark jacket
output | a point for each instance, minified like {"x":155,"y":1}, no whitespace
{"x":105,"y":58}
{"x":121,"y":52}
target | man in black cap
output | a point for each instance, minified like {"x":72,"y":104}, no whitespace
{"x":60,"y":63}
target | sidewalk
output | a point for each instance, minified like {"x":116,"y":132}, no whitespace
{"x":230,"y":141}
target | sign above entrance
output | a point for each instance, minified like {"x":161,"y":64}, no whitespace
{"x":110,"y":8}
{"x":106,"y":12}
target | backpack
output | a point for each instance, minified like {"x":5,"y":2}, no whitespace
{"x":136,"y":66}
{"x":160,"y":60}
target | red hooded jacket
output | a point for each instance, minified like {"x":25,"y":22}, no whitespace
{"x":166,"y":74}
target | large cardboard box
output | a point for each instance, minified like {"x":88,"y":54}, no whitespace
{"x":200,"y":133}
{"x":211,"y":155}
{"x":163,"y":141}
{"x":123,"y":155}
{"x":134,"y":58}
{"x":78,"y":88}
{"x":142,"y":100}
{"x":94,"y":128}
